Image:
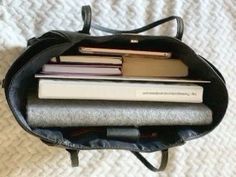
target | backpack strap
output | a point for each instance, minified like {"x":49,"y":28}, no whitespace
{"x":163,"y":163}
{"x":87,"y":18}
{"x":74,"y":157}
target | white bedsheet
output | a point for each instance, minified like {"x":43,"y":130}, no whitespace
{"x":210,"y":29}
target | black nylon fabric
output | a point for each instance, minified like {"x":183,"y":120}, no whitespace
{"x":21,"y":75}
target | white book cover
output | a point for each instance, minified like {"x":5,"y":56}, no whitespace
{"x":105,"y":90}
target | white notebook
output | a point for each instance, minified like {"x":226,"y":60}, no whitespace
{"x":108,"y":90}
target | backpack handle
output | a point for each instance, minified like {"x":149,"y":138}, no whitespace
{"x":74,"y":156}
{"x":87,"y":18}
{"x":163,"y":163}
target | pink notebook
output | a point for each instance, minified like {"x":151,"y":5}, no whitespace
{"x":81,"y":69}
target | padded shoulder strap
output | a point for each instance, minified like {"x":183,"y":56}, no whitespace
{"x":87,"y":18}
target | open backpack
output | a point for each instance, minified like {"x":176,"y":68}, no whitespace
{"x":20,"y":77}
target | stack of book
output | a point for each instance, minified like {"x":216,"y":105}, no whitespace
{"x":120,"y":75}
{"x":84,"y":65}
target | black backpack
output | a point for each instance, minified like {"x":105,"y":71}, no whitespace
{"x":54,"y":43}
